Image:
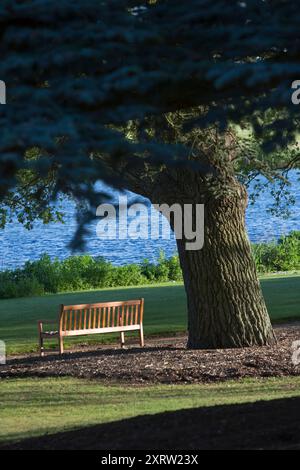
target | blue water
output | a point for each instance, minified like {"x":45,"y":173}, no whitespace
{"x":19,"y":245}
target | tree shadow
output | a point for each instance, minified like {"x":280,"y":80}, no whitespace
{"x":271,"y":424}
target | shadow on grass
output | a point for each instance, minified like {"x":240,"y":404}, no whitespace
{"x":262,"y":425}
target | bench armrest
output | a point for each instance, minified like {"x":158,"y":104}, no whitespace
{"x":47,"y":322}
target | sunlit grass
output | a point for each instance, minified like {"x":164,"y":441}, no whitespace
{"x":32,"y":407}
{"x":165,"y":309}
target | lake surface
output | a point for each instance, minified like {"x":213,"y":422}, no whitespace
{"x":19,"y":245}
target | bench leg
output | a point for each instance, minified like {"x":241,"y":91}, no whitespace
{"x":61,"y":344}
{"x":122,"y":339}
{"x":41,"y":345}
{"x":142,"y":336}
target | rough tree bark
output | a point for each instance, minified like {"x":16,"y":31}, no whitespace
{"x":225,"y":304}
{"x":226,"y":307}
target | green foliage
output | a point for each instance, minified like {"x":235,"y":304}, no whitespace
{"x":16,"y":284}
{"x":283,"y":255}
{"x":84,"y":272}
{"x":45,"y":271}
{"x":164,"y":270}
{"x":129,"y":275}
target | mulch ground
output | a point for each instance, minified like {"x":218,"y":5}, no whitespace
{"x":163,"y":361}
{"x":260,"y":425}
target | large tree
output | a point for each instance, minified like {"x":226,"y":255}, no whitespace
{"x":152,"y":97}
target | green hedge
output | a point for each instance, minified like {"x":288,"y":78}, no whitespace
{"x":84,"y":272}
{"x":283,"y":255}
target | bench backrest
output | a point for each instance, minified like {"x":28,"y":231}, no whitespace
{"x":101,"y":315}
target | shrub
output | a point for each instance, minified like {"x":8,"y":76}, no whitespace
{"x":281,"y":256}
{"x":160,"y":271}
{"x":74,"y":271}
{"x":175,"y":273}
{"x":46,"y":271}
{"x":84,"y":272}
{"x":99,"y":273}
{"x":14,"y":287}
{"x":129,"y":275}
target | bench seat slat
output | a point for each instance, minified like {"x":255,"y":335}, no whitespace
{"x":50,"y":333}
{"x":101,"y":330}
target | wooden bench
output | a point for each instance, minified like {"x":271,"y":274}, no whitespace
{"x":87,"y":319}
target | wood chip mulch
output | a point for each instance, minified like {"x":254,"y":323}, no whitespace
{"x":163,"y":361}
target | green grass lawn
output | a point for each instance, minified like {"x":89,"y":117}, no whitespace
{"x":32,"y":407}
{"x":165,"y":309}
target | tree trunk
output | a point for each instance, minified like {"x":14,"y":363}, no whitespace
{"x":226,"y":307}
